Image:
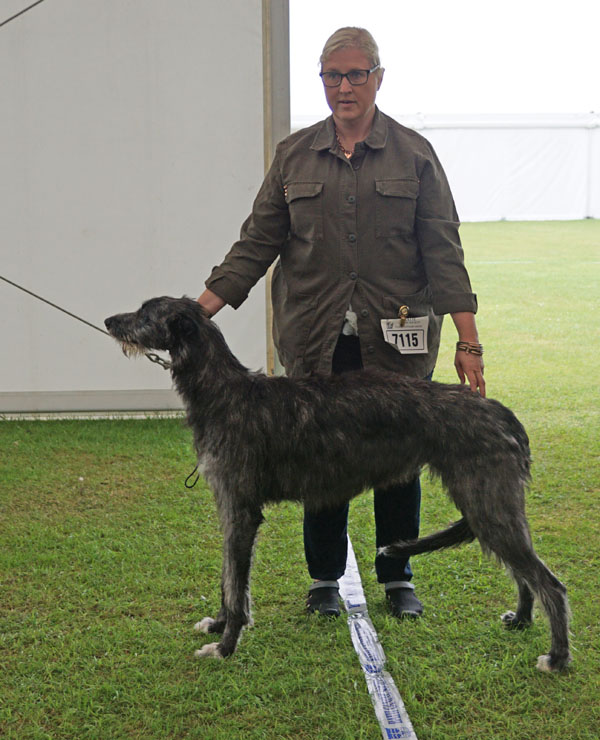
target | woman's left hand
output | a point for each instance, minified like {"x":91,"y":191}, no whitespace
{"x":469,"y":367}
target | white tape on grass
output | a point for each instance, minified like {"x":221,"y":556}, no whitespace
{"x":387,"y":702}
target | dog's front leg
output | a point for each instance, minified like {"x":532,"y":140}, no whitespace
{"x":239,"y":531}
{"x":216,"y":625}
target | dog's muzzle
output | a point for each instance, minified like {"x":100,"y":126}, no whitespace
{"x":129,"y":347}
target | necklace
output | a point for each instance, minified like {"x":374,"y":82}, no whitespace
{"x":345,"y":151}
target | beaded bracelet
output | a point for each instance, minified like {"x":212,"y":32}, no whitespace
{"x":471,"y":348}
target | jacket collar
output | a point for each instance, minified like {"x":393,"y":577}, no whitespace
{"x":325,"y":137}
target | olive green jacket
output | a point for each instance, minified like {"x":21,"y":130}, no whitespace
{"x":377,"y":231}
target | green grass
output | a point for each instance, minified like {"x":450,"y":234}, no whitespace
{"x":106,"y":561}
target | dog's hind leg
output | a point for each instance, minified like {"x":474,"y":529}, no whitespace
{"x":523,"y":617}
{"x":553,"y":596}
{"x":533,"y":577}
{"x":497,"y":518}
{"x":239,"y":532}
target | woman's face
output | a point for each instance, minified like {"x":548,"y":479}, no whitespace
{"x":348,"y":103}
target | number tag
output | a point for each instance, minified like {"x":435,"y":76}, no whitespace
{"x":410,"y":339}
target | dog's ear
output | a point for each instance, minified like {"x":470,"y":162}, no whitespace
{"x":182,"y":328}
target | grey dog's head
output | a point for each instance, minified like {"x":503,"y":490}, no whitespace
{"x":161,"y":323}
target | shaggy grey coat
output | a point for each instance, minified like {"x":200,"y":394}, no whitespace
{"x":325,"y":439}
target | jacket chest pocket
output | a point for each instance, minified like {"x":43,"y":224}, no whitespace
{"x":395,"y":206}
{"x":305,"y":204}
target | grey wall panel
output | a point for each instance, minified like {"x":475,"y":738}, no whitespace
{"x":131,"y":141}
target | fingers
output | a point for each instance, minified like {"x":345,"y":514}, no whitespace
{"x":470,"y":368}
{"x":481,"y":383}
{"x":477,"y":382}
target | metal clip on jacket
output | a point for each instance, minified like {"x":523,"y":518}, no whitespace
{"x":403,"y":314}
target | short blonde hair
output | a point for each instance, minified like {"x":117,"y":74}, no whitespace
{"x":351,"y":37}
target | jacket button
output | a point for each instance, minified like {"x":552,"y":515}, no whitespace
{"x":353,"y":275}
{"x":351,"y":199}
{"x":364,"y":313}
{"x":351,"y":237}
{"x":370,"y":349}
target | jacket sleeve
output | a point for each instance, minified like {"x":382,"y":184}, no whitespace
{"x":437,"y":231}
{"x":262,"y":237}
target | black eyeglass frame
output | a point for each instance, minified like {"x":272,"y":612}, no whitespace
{"x":346,"y":75}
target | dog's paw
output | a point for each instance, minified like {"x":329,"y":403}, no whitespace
{"x":544,"y":664}
{"x":209,"y":651}
{"x":512,"y":622}
{"x":508,"y":619}
{"x":204,"y":625}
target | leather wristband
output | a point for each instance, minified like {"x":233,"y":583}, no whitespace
{"x":471,"y":348}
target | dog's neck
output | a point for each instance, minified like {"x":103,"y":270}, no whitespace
{"x":209,"y":379}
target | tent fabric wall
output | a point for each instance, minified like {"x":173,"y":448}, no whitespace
{"x":131,"y":143}
{"x":519,"y":167}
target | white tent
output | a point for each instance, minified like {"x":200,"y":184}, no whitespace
{"x":133,"y":138}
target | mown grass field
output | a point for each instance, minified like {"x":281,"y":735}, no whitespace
{"x":107,"y":561}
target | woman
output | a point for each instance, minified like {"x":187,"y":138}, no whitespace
{"x":359,"y":212}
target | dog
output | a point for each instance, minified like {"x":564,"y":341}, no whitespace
{"x":322,"y":440}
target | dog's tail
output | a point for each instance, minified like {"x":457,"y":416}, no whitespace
{"x":456,"y":534}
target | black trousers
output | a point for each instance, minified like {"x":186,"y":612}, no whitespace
{"x":397,"y":511}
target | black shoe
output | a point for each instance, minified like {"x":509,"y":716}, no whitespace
{"x":324,"y":598}
{"x":403,"y":602}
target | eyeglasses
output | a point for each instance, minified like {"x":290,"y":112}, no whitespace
{"x":354,"y":77}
